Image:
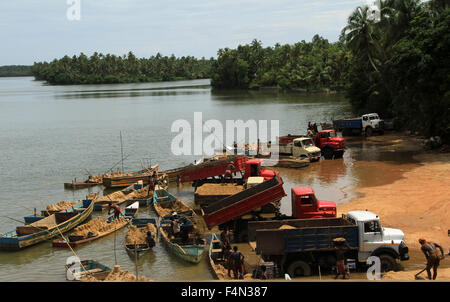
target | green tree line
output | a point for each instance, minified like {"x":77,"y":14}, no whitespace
{"x":108,"y":69}
{"x":400,"y":63}
{"x":15,"y":71}
{"x":314,"y":65}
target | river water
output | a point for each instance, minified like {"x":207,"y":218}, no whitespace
{"x":53,"y":134}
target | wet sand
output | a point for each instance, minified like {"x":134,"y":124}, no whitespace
{"x":418,"y":202}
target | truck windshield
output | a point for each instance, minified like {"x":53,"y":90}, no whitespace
{"x":372,"y":226}
{"x":308,"y":143}
{"x":373,"y":117}
{"x":307,"y":199}
{"x":333,"y":134}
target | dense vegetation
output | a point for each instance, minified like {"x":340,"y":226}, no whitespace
{"x":311,"y":66}
{"x":15,"y":71}
{"x":106,"y":69}
{"x":400,"y":63}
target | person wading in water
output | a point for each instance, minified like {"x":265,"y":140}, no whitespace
{"x":430,"y":250}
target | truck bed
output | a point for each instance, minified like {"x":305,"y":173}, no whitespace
{"x":243,"y":202}
{"x":307,"y":235}
{"x":349,"y":123}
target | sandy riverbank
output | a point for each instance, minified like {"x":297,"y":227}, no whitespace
{"x":418,"y":203}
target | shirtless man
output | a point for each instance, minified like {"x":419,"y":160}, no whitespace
{"x":431,"y":253}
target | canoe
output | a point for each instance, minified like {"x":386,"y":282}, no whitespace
{"x":124,"y":181}
{"x":132,"y":210}
{"x":47,"y":227}
{"x":142,"y":225}
{"x":80,"y":185}
{"x":75,"y":271}
{"x":45,"y":213}
{"x":165,"y":203}
{"x":130,"y":193}
{"x":192,"y":249}
{"x":73,"y":241}
{"x":216,"y":260}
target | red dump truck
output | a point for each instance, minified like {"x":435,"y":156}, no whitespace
{"x":330,"y":144}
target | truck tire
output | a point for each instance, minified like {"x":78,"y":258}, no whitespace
{"x":387,"y":263}
{"x":368,"y":131}
{"x":327,"y":153}
{"x":338,"y":154}
{"x":299,"y":269}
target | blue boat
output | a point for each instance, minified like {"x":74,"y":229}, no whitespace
{"x":216,"y":258}
{"x":47,"y":227}
{"x":187,"y":248}
{"x":92,"y":268}
{"x":163,"y":202}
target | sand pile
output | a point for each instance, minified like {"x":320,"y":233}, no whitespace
{"x":97,"y":226}
{"x":137,"y":235}
{"x":62,"y":205}
{"x":219,"y":189}
{"x":118,"y":196}
{"x":442,"y":275}
{"x":116,"y":275}
{"x":168,"y":208}
{"x":286,"y":227}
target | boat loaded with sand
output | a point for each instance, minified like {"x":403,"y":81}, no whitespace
{"x":217,"y":260}
{"x":92,"y":230}
{"x":75,"y":271}
{"x":133,"y":192}
{"x":189,"y":247}
{"x":131,"y":178}
{"x":47,"y":227}
{"x":141,"y":236}
{"x":165,"y":203}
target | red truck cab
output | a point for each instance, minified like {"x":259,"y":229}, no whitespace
{"x":330,"y":144}
{"x":305,"y":204}
{"x":253,"y":168}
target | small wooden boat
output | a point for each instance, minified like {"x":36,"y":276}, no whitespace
{"x":216,"y":258}
{"x":190,"y":249}
{"x":143,"y":243}
{"x":165,"y":203}
{"x":130,"y":193}
{"x":75,"y":240}
{"x":132,"y":210}
{"x":80,"y":184}
{"x":124,"y":181}
{"x":47,"y":212}
{"x":47,"y":227}
{"x":77,"y":270}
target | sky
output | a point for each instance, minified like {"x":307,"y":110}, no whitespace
{"x":35,"y":31}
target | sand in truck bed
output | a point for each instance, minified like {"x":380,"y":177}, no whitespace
{"x":219,"y":189}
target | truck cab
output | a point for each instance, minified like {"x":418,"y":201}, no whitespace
{"x":305,"y":204}
{"x":253,"y":169}
{"x":304,"y":147}
{"x":375,"y":240}
{"x":330,"y":144}
{"x":371,"y":122}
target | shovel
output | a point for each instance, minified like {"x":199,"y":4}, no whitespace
{"x":417,"y":277}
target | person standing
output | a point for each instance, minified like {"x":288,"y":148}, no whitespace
{"x":176,"y":227}
{"x":116,"y":209}
{"x":238,"y":263}
{"x":430,"y":250}
{"x":341,"y":247}
{"x":229,"y":172}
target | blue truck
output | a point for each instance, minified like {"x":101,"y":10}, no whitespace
{"x":300,"y":246}
{"x":366,"y":124}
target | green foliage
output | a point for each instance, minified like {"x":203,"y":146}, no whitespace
{"x":109,"y":69}
{"x":400,"y":64}
{"x":312,"y":66}
{"x":15,"y":71}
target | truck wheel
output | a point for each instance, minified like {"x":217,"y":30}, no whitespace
{"x":387,"y":263}
{"x":327,"y":153}
{"x":299,"y":268}
{"x":338,"y":154}
{"x":369,"y":131}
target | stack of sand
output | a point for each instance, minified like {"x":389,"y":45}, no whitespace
{"x":60,"y":206}
{"x":176,"y":206}
{"x":137,"y":235}
{"x":286,"y":227}
{"x":116,"y":275}
{"x":97,"y":226}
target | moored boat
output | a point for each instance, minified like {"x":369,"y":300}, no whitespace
{"x":47,"y":227}
{"x":217,"y":260}
{"x":189,"y":246}
{"x":135,"y":191}
{"x":75,"y":271}
{"x":124,"y":181}
{"x":165,"y":203}
{"x":132,"y":210}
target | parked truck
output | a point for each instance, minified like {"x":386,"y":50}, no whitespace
{"x":330,"y":144}
{"x":298,"y":146}
{"x":302,"y":245}
{"x":366,"y":124}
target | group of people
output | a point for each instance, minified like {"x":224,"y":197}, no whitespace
{"x":234,"y":258}
{"x":312,"y":129}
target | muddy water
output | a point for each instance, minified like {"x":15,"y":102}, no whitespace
{"x":52,"y":134}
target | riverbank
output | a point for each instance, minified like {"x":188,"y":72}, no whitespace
{"x":418,"y":202}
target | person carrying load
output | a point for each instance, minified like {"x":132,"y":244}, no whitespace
{"x":115,"y":208}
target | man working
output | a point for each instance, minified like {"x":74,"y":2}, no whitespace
{"x":238,"y":263}
{"x":115,"y":208}
{"x":175,"y":227}
{"x":432,"y":256}
{"x":229,"y":171}
{"x":341,"y":247}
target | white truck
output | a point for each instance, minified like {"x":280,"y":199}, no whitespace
{"x":299,"y":146}
{"x":366,"y":124}
{"x":308,"y":243}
